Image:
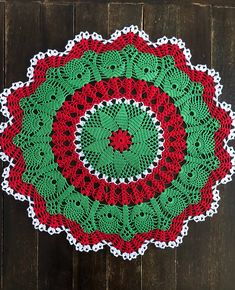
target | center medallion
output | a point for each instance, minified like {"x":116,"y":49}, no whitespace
{"x":119,"y":140}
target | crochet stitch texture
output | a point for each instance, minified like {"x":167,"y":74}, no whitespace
{"x":117,"y":142}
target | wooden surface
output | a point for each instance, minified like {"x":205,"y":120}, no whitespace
{"x":31,"y":260}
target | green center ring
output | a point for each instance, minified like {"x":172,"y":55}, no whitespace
{"x":131,"y":162}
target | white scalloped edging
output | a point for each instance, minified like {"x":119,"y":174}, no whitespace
{"x":99,"y":246}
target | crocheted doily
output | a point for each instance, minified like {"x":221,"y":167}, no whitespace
{"x":117,"y":142}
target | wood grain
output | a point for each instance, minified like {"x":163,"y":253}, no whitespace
{"x":194,"y":27}
{"x":124,"y":275}
{"x":222,"y":229}
{"x":57,"y":25}
{"x":121,"y":15}
{"x":22,"y":38}
{"x":91,"y":17}
{"x":90,"y":270}
{"x":229,"y":3}
{"x":156,"y":20}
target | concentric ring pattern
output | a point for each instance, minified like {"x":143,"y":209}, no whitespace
{"x":117,"y":142}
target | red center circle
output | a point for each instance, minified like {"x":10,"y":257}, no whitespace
{"x":120,"y":140}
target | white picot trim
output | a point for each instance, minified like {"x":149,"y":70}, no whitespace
{"x":81,"y":154}
{"x":114,"y":36}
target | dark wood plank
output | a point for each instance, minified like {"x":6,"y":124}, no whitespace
{"x":223,"y":55}
{"x":55,"y":263}
{"x":159,"y":266}
{"x":55,"y":2}
{"x":159,"y":269}
{"x":2,"y":84}
{"x":122,"y":274}
{"x":228,"y":3}
{"x":121,"y":15}
{"x":220,"y":3}
{"x":195,"y":258}
{"x":156,"y":20}
{"x":55,"y":255}
{"x":223,"y":231}
{"x":90,"y":268}
{"x":57,"y":25}
{"x":92,"y":17}
{"x":194,"y":28}
{"x":20,"y":239}
{"x":22,"y":38}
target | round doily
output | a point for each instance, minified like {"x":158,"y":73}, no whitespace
{"x":117,"y":142}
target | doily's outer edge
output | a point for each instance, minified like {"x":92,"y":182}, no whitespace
{"x":86,"y":35}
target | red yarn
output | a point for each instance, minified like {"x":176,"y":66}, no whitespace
{"x":120,"y":140}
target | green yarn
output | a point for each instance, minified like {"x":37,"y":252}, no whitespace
{"x":62,"y":198}
{"x":96,"y":145}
